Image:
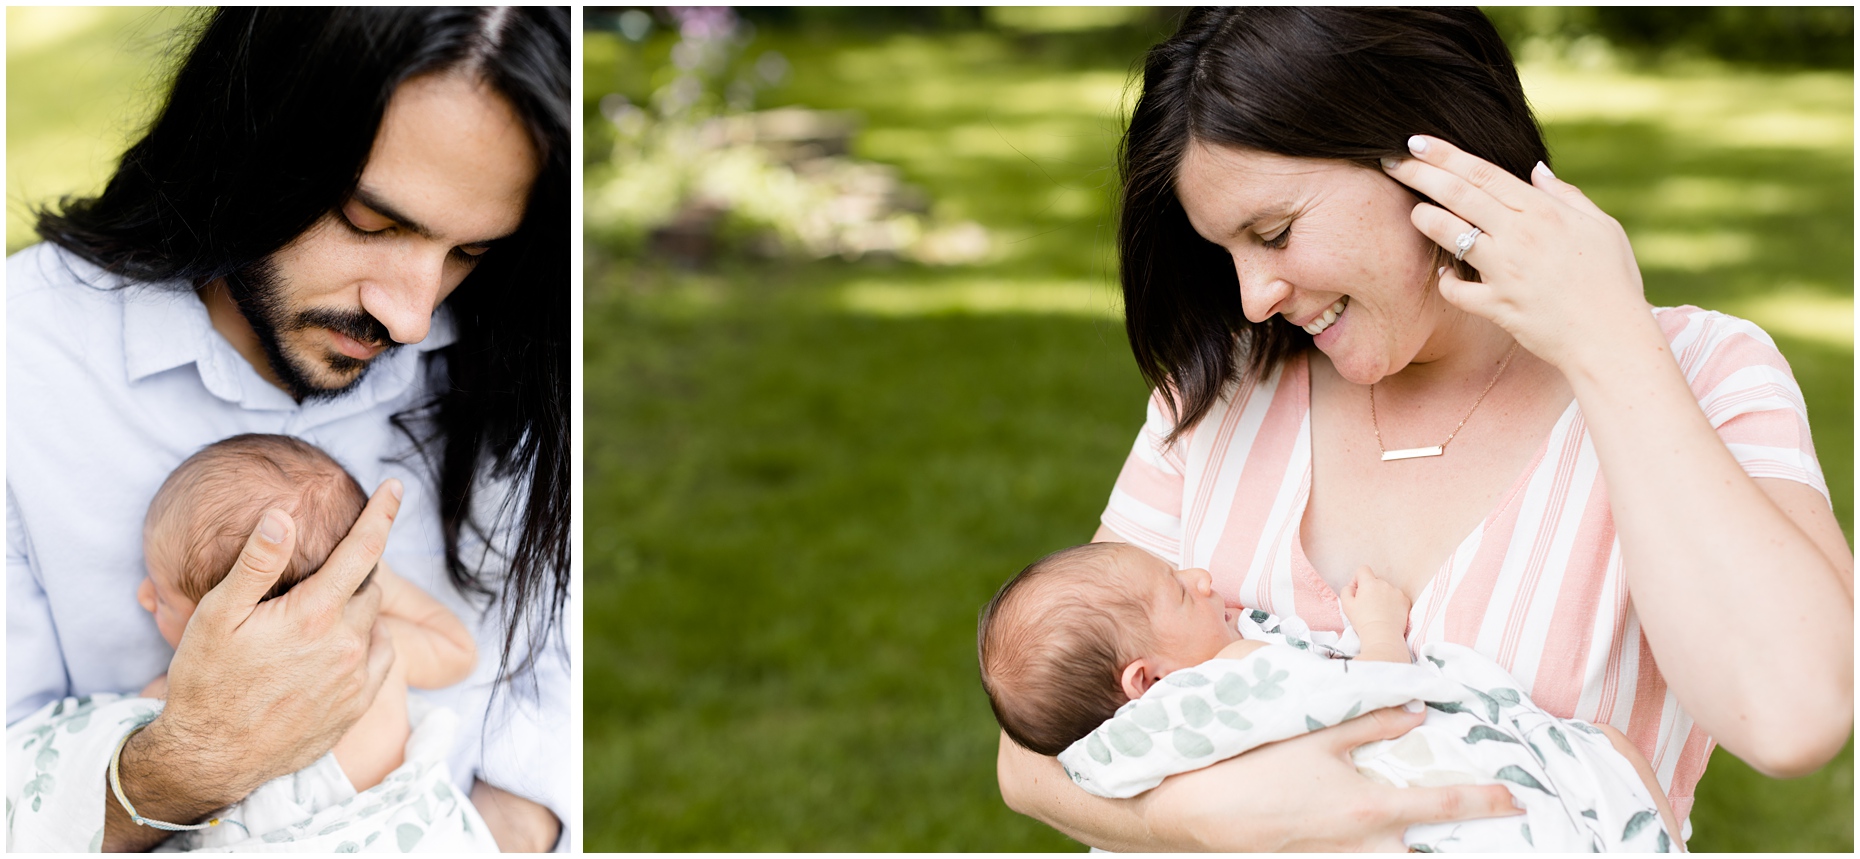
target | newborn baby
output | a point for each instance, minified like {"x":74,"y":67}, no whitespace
{"x":1129,"y":671}
{"x":196,"y":527}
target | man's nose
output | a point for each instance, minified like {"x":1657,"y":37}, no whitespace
{"x":406,"y":295}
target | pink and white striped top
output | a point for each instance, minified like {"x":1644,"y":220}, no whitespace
{"x":1538,"y":586}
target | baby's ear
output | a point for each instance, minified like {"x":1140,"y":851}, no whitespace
{"x":1137,"y":678}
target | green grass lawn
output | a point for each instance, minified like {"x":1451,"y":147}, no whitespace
{"x":805,"y":478}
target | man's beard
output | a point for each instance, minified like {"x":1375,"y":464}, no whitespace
{"x":260,"y":294}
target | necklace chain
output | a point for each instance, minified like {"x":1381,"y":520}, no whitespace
{"x":1376,"y":424}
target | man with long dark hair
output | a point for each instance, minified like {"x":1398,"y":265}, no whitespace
{"x":348,"y":225}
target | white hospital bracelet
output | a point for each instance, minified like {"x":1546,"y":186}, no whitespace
{"x":116,"y":786}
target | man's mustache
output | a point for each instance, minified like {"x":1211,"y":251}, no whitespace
{"x":358,"y":325}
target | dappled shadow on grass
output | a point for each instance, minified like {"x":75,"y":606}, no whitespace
{"x":790,"y":530}
{"x":1714,"y":225}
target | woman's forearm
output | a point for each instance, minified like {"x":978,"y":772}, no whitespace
{"x":1712,"y":560}
{"x":1036,"y":786}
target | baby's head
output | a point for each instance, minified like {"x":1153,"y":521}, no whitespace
{"x":202,"y":515}
{"x":1082,"y":631}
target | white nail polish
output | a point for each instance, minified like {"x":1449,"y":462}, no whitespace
{"x":1414,"y":706}
{"x":1417,"y":145}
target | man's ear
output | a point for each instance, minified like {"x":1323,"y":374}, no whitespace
{"x":1138,"y":677}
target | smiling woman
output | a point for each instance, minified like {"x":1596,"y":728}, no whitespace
{"x":1617,"y":472}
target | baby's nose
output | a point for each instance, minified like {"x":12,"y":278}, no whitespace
{"x":1204,"y":582}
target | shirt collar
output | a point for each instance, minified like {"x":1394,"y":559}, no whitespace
{"x":166,"y":326}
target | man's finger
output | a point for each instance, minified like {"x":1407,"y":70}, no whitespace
{"x":266,"y":555}
{"x":359,"y":613}
{"x":355,"y":557}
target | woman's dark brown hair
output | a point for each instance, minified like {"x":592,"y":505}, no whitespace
{"x":1345,"y":83}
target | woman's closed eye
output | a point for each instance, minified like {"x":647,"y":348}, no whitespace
{"x":1278,"y":242}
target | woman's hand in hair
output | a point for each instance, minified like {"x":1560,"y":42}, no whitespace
{"x":1554,"y":270}
{"x":1301,"y":794}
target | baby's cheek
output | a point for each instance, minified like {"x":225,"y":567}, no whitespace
{"x":172,"y":620}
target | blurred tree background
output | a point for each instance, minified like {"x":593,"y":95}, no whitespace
{"x":854,"y":356}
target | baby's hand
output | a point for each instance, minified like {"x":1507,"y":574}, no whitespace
{"x":1371,"y":602}
{"x":1379,"y":612}
{"x":157,"y":688}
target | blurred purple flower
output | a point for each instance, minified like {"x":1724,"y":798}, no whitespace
{"x":704,"y":23}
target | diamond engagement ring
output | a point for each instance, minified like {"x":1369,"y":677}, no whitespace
{"x":1465,"y":243}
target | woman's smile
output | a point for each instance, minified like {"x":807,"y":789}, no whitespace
{"x":1323,"y":323}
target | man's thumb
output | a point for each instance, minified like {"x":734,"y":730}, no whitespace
{"x":266,"y":555}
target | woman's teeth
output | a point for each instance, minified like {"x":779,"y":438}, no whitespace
{"x":1318,"y":325}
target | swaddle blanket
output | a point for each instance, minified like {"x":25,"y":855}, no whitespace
{"x":57,"y":759}
{"x":1579,"y":794}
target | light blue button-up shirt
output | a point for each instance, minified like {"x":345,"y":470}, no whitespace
{"x":109,"y":385}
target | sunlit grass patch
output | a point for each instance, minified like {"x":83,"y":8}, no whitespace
{"x":982,"y":296}
{"x":80,"y":83}
{"x":1692,"y":251}
{"x":1062,"y":19}
{"x":1714,"y":107}
{"x":1819,"y":313}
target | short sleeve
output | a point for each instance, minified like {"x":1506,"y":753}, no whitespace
{"x":1146,"y":503}
{"x":1745,"y":387}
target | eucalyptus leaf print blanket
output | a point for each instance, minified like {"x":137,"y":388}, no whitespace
{"x":56,"y":792}
{"x":1579,"y":794}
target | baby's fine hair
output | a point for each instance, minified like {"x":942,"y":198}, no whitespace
{"x":208,"y":507}
{"x":1053,"y":644}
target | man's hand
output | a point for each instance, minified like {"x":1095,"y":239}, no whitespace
{"x":258,"y":690}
